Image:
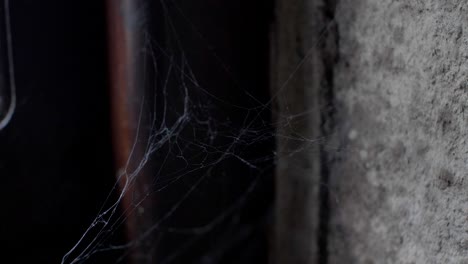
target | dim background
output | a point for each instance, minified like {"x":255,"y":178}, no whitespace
{"x":56,"y":155}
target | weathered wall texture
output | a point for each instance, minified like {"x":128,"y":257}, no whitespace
{"x":398,"y":177}
{"x":399,"y":188}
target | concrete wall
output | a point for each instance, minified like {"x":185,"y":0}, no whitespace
{"x":401,"y":91}
{"x":397,"y":152}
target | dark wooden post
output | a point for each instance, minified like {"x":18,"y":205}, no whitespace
{"x":127,"y":91}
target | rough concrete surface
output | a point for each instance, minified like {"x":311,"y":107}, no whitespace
{"x":399,"y":187}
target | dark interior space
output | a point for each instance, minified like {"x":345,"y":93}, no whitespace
{"x":56,"y":156}
{"x":226,"y":46}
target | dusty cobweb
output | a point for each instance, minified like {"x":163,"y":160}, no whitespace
{"x":189,"y":137}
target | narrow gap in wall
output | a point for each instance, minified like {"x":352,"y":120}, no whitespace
{"x":329,"y":54}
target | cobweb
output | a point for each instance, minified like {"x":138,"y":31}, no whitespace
{"x":191,"y":144}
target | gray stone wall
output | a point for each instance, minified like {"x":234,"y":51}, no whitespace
{"x":401,"y":91}
{"x":397,"y":154}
